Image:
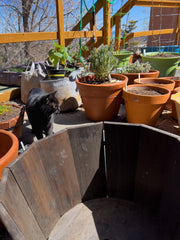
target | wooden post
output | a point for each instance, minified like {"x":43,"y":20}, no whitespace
{"x":107,"y":22}
{"x":178,"y":28}
{"x":117,"y":32}
{"x":60,"y":22}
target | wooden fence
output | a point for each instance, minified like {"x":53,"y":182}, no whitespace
{"x":104,"y":34}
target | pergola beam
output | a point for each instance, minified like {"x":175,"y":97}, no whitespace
{"x":40,"y":36}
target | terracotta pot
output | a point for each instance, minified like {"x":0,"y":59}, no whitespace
{"x":159,"y":82}
{"x":132,"y":76}
{"x":145,"y":109}
{"x":174,"y":113}
{"x":175,"y":79}
{"x":176,"y":99}
{"x":102,"y":102}
{"x":8,"y":150}
{"x":14,"y":125}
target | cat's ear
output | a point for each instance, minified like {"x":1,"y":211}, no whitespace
{"x":48,"y":95}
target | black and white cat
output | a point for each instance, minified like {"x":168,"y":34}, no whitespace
{"x":40,"y":109}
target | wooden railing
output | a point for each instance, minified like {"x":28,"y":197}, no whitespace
{"x":104,"y":34}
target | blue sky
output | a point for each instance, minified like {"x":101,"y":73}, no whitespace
{"x":141,"y":14}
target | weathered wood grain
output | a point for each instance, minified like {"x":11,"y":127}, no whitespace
{"x":157,"y":177}
{"x":87,"y":149}
{"x":47,"y":178}
{"x":121,"y":158}
{"x":15,"y":212}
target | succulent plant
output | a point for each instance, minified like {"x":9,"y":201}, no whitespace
{"x":136,"y":67}
{"x":102,"y":62}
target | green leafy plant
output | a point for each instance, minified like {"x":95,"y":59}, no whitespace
{"x":4,"y":109}
{"x":102,"y":62}
{"x":76,"y":55}
{"x":59,"y":55}
{"x":136,"y":67}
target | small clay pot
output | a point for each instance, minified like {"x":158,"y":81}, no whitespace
{"x":145,"y":109}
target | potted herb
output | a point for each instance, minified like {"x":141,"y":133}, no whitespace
{"x":101,"y":90}
{"x":56,"y":79}
{"x":165,"y":62}
{"x":144,"y":103}
{"x":136,"y":69}
{"x":11,"y":118}
{"x":58,"y":58}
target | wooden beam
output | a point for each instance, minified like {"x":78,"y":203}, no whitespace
{"x":117,"y":33}
{"x":148,"y":33}
{"x":87,"y":18}
{"x":107,"y":22}
{"x":41,"y":36}
{"x":178,"y":28}
{"x":27,"y":37}
{"x":60,"y":22}
{"x":82,"y":34}
{"x":123,"y":10}
{"x":158,"y":3}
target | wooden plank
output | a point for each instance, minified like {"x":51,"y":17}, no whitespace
{"x":40,"y":36}
{"x":117,"y":33}
{"x":86,"y":19}
{"x":148,"y":33}
{"x":178,"y":28}
{"x":89,"y":160}
{"x":10,"y":94}
{"x":123,"y":10}
{"x":157,"y":177}
{"x":106,"y":22}
{"x":81,"y":34}
{"x":121,"y":157}
{"x":27,"y":37}
{"x":47,"y":178}
{"x":60,"y":22}
{"x":60,"y":170}
{"x":15,"y":212}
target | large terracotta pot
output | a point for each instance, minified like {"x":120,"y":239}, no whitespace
{"x":8,"y":150}
{"x":132,"y":76}
{"x":15,"y":124}
{"x":145,"y":109}
{"x":102,"y":102}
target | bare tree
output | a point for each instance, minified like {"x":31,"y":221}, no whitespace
{"x":33,"y":16}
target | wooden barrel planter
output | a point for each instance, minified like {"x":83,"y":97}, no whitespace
{"x":95,"y":181}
